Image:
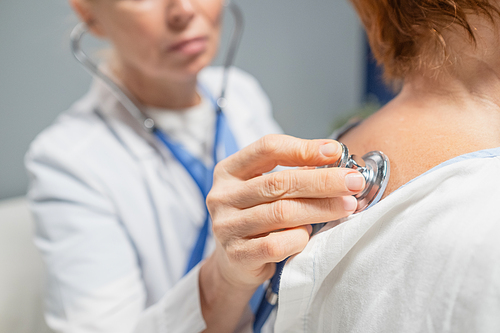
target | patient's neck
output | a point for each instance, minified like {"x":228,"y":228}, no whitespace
{"x":431,"y":121}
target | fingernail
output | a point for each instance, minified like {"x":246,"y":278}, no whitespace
{"x":330,"y":149}
{"x":350,"y":203}
{"x":354,"y":182}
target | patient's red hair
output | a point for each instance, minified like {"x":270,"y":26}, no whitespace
{"x":407,"y":35}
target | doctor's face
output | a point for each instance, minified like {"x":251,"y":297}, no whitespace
{"x":175,"y":38}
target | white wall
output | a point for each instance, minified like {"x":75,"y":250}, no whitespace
{"x":307,"y":55}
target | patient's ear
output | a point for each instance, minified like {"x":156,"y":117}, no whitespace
{"x":85,"y":12}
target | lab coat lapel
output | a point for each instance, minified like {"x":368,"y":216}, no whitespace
{"x":153,"y":159}
{"x":128,"y":130}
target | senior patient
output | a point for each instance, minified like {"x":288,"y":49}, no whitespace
{"x":427,"y":257}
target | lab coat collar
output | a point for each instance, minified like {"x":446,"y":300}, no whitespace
{"x":128,"y":129}
{"x":141,"y":143}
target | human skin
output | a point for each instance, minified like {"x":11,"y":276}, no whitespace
{"x":149,"y":61}
{"x":433,"y":119}
{"x":158,"y":46}
{"x":436,"y":118}
{"x":260,"y":219}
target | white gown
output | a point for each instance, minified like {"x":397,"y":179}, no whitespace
{"x":424,"y":259}
{"x":117,"y":216}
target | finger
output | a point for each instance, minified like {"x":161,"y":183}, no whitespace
{"x":265,"y":154}
{"x":285,"y":214}
{"x":274,"y":247}
{"x":293,"y":184}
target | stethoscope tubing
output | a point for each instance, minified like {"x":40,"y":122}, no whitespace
{"x":127,"y":100}
{"x":76,"y":37}
{"x":133,"y":107}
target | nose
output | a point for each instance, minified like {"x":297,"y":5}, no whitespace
{"x":180,"y":13}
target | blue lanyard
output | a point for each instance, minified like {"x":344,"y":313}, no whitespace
{"x":201,"y":174}
{"x":203,"y":177}
{"x":268,"y":302}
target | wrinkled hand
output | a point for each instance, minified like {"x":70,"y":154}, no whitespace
{"x":260,"y":219}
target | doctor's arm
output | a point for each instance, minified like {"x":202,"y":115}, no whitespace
{"x":95,"y":282}
{"x":260,"y":219}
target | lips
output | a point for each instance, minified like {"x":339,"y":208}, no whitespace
{"x":190,"y":46}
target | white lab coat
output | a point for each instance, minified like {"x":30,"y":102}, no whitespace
{"x":424,"y":259}
{"x":117,"y":216}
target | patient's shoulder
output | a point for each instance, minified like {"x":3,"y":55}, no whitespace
{"x":414,"y":141}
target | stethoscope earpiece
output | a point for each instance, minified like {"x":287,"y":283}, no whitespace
{"x":375,"y":168}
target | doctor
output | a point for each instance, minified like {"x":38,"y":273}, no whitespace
{"x":118,"y":215}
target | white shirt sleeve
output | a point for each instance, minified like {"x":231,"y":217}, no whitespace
{"x":95,"y":282}
{"x":103,"y":275}
{"x":178,"y":311}
{"x":424,"y":259}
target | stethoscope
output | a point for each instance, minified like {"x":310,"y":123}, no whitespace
{"x":128,"y":101}
{"x":200,"y":173}
{"x":374,"y":166}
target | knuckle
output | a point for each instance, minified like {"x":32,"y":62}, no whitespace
{"x":328,"y":181}
{"x":279,"y":184}
{"x":281,"y":212}
{"x":304,"y":151}
{"x":217,"y":223}
{"x":333,"y":208}
{"x":213,"y":198}
{"x":221,"y":195}
{"x":219,"y":170}
{"x":237,"y":253}
{"x":273,"y":248}
{"x":331,"y":205}
{"x":222,"y":227}
{"x":218,"y":227}
{"x":274,"y":186}
{"x":268,"y":144}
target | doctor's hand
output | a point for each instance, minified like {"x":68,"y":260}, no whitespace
{"x":260,"y":219}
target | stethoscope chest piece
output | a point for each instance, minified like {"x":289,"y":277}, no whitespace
{"x":376,"y":172}
{"x":375,"y":168}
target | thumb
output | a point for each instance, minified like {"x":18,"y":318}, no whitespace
{"x":272,"y":150}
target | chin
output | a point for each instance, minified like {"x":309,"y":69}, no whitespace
{"x":187,"y":70}
{"x":177,"y":68}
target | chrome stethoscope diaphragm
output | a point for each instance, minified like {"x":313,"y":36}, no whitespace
{"x":375,"y":168}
